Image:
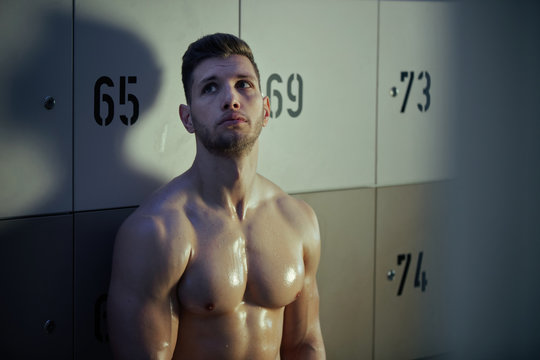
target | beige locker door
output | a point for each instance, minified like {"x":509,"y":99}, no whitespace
{"x":411,"y":281}
{"x":128,"y":54}
{"x":345,"y":277}
{"x":318,"y":65}
{"x":417,"y":87}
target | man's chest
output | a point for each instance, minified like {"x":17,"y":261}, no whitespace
{"x":260,"y":262}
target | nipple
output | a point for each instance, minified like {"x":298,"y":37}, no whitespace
{"x":209,"y":306}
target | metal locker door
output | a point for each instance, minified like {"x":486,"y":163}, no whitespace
{"x":318,"y":63}
{"x":345,"y":275}
{"x":411,"y":280}
{"x":36,"y":263}
{"x":95,"y":232}
{"x":129,"y":139}
{"x":417,"y":88}
{"x":35,"y":107}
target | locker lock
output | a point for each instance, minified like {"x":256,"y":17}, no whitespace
{"x":49,"y":102}
{"x":394,"y":91}
{"x":49,"y":326}
{"x":391,"y":274}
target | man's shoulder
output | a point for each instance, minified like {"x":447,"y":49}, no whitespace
{"x":296,"y":212}
{"x":168,"y":197}
{"x":152,"y":244}
{"x":160,"y":216}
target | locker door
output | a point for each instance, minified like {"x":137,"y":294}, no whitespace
{"x":345,"y":275}
{"x":94,"y":240}
{"x":128,"y":135}
{"x":417,"y":90}
{"x":411,"y":281}
{"x":35,"y":107}
{"x":318,"y":63}
{"x":36,"y":263}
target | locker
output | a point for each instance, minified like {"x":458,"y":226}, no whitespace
{"x":318,"y":65}
{"x":128,"y":135}
{"x":35,"y":107}
{"x":363,"y":98}
{"x":37,"y":281}
{"x":95,"y":232}
{"x":345,"y":276}
{"x":411,"y":273}
{"x":416,"y":91}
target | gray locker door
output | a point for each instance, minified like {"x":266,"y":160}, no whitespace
{"x":35,"y":107}
{"x":94,"y":239}
{"x":36,"y":263}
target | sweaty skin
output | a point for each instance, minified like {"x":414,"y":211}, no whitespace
{"x":220,"y":263}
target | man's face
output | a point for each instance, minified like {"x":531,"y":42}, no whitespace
{"x":227,"y":110}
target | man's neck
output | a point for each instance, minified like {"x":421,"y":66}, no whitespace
{"x":227,"y":181}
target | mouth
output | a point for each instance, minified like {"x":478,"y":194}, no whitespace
{"x":233,"y":118}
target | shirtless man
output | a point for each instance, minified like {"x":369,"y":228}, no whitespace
{"x":220,"y":263}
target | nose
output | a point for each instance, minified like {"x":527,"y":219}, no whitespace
{"x":230,"y":99}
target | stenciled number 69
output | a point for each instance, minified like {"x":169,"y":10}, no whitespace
{"x":275,"y":95}
{"x":100,"y":98}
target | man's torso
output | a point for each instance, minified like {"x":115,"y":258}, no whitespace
{"x":240,"y":274}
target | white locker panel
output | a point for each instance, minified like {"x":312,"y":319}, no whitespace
{"x":318,"y":65}
{"x":128,"y":55}
{"x":416,"y":89}
{"x":35,"y":142}
{"x":411,"y":279}
{"x":36,"y":263}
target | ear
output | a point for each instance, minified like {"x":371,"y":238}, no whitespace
{"x":266,"y":110}
{"x":185,"y":116}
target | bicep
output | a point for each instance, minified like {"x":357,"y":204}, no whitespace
{"x":141,"y":326}
{"x":302,"y":331}
{"x":141,"y":315}
{"x":301,"y":317}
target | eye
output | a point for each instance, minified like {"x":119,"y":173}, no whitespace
{"x":244,"y":84}
{"x":209,"y":88}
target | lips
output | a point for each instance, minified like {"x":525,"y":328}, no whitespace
{"x":232,"y":119}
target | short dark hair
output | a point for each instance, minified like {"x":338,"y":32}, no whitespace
{"x":217,"y":45}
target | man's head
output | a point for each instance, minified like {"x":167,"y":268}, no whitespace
{"x":225,"y":107}
{"x":217,"y":45}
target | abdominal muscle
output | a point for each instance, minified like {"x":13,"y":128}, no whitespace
{"x":247,"y":332}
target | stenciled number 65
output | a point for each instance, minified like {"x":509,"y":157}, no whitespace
{"x":100,"y":98}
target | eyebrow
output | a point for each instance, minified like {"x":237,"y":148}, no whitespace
{"x":214,"y":78}
{"x":208,"y":79}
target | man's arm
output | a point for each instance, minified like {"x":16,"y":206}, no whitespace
{"x":302,"y":337}
{"x":142,"y":306}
